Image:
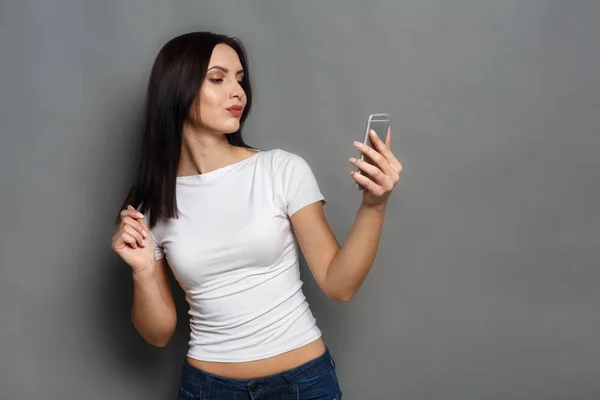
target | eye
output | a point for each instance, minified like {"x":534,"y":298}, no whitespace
{"x":216,"y":80}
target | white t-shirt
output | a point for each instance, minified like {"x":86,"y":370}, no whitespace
{"x":234,"y":252}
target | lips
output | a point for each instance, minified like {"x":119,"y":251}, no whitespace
{"x":236,"y":111}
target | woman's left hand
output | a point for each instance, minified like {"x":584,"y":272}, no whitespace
{"x":380,"y":169}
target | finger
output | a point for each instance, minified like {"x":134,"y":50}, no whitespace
{"x":379,"y":160}
{"x":367,"y":183}
{"x":131,"y":212}
{"x":128,"y":239}
{"x":372,"y":171}
{"x":144,"y":225}
{"x":384,"y":149}
{"x":368,"y":159}
{"x":388,"y":138}
{"x":136,"y":212}
{"x":146,"y":229}
{"x":135,"y":224}
{"x":134,"y":234}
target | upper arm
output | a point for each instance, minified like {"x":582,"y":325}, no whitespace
{"x":162,"y":271}
{"x":317,"y":241}
{"x":162,"y":276}
{"x":303,"y":203}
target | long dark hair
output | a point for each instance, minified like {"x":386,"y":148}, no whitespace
{"x":175,"y":80}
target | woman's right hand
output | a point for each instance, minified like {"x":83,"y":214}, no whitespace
{"x":133,"y":242}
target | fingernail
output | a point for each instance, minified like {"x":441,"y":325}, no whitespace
{"x":357,"y":144}
{"x":144,"y":233}
{"x":140,"y":215}
{"x":352,"y":160}
{"x":144,"y":243}
{"x":373,"y":133}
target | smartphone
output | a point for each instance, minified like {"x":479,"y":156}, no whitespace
{"x":380,"y":123}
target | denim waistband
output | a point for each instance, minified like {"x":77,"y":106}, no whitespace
{"x":196,"y":377}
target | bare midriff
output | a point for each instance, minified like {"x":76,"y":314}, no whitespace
{"x":264,"y":367}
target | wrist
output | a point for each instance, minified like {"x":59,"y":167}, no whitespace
{"x":144,"y":274}
{"x":378,"y":207}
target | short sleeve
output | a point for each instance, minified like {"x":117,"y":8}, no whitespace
{"x":158,"y":250}
{"x":300,"y":187}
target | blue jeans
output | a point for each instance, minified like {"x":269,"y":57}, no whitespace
{"x":314,"y":380}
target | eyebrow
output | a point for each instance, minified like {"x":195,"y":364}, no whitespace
{"x":241,"y":71}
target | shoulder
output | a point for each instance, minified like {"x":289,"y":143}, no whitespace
{"x":286,"y":165}
{"x":283,"y":159}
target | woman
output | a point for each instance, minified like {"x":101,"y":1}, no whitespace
{"x":225,"y":218}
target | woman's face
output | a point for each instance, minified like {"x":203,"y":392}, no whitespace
{"x":221,"y":90}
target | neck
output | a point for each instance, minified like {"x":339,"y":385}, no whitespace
{"x":205,"y":152}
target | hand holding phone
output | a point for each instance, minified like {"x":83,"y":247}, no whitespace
{"x":380,"y":123}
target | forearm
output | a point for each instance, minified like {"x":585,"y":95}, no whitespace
{"x":151,"y":314}
{"x":349,"y":268}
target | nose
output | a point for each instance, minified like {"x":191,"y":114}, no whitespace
{"x":237,"y":91}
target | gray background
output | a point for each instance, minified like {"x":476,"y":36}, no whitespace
{"x":486,"y":284}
